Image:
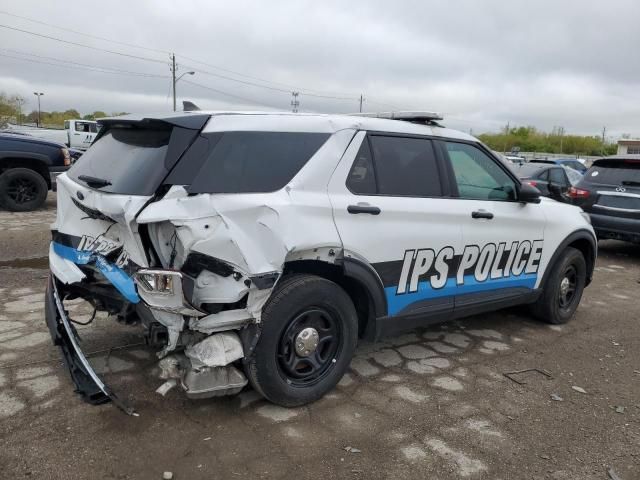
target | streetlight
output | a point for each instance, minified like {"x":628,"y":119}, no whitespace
{"x":175,"y":80}
{"x":38,"y":95}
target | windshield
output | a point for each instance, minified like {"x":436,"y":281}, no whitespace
{"x":131,"y":160}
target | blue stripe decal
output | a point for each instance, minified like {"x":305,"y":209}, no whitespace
{"x":118,"y":277}
{"x":398,"y":302}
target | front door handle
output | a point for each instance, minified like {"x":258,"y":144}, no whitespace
{"x":371,"y":210}
{"x":482,"y":214}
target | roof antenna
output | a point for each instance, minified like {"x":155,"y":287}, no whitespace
{"x":188,"y":106}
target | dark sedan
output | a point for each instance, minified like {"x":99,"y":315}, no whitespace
{"x":550,"y":179}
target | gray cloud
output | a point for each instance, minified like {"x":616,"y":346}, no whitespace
{"x":543,"y":63}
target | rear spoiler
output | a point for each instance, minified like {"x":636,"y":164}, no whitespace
{"x":189,"y":121}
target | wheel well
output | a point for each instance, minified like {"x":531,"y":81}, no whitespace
{"x":357,"y":292}
{"x":30,"y":163}
{"x":588,"y":253}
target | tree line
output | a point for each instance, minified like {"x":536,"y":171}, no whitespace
{"x":11,"y":111}
{"x":529,"y":139}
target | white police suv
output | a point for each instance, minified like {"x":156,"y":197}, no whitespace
{"x":261,"y":246}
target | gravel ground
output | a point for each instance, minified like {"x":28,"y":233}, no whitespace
{"x":433,"y":403}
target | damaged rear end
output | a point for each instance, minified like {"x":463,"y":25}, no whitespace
{"x":145,"y":232}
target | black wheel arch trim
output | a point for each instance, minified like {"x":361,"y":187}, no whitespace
{"x":582,"y":234}
{"x":368,"y":277}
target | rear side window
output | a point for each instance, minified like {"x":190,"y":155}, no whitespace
{"x":255,"y":162}
{"x":131,"y":159}
{"x":405,"y":166}
{"x":477,"y":175}
{"x":615,"y":172}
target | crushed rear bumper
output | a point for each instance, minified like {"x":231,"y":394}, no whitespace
{"x":87,"y":382}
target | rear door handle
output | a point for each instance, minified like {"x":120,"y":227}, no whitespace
{"x":482,"y":214}
{"x":371,"y":210}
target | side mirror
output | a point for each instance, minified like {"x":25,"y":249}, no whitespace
{"x":528,"y":194}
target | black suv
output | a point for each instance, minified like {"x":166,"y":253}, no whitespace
{"x":28,"y":168}
{"x":610,"y":193}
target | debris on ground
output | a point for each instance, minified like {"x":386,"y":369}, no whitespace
{"x":546,"y":457}
{"x":579,"y":389}
{"x":612,"y":474}
{"x":167,"y":475}
{"x":511,"y":375}
{"x":352,"y":450}
{"x":556,"y":397}
{"x":619,"y":409}
{"x":166,"y":386}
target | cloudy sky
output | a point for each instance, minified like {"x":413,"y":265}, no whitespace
{"x":483,"y":63}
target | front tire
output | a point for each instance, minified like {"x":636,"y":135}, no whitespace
{"x":309,"y":332}
{"x":563,"y":289}
{"x":22,"y":190}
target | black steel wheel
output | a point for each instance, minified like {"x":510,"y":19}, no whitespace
{"x":309,"y":331}
{"x":563,"y":288}
{"x":308,"y":345}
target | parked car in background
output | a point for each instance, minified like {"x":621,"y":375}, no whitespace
{"x":564,"y":162}
{"x":610,"y":193}
{"x":77,"y":134}
{"x":550,"y":179}
{"x":28,"y":169}
{"x":515,"y":159}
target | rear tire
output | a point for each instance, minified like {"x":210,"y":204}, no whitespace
{"x":563,"y":289}
{"x":22,"y":190}
{"x":285,"y":367}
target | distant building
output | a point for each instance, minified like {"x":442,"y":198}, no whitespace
{"x":628,"y":146}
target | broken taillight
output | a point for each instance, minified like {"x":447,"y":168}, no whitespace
{"x":578,"y":193}
{"x":533,"y":183}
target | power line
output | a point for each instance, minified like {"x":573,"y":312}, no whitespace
{"x":76,"y":67}
{"x":245,"y":99}
{"x":147,"y":59}
{"x":289,"y":88}
{"x":67,"y":29}
{"x":275,"y":89}
{"x":114,"y":70}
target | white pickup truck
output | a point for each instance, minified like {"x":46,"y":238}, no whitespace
{"x":80,"y":133}
{"x":77,"y":134}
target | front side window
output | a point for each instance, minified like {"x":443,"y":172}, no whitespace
{"x":477,"y":175}
{"x":405,"y":166}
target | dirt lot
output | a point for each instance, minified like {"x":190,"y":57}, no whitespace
{"x":430,"y":404}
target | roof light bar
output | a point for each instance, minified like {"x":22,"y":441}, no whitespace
{"x":406,"y":116}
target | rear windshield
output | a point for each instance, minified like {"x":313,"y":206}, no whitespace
{"x":614,"y":172}
{"x":244,"y":162}
{"x":131,"y":159}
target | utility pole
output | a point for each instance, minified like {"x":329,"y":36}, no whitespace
{"x":295,"y":103}
{"x":38,"y":95}
{"x":604,"y":132}
{"x":173,"y":78}
{"x":561,"y":133}
{"x":361,"y":100}
{"x":506,"y":135}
